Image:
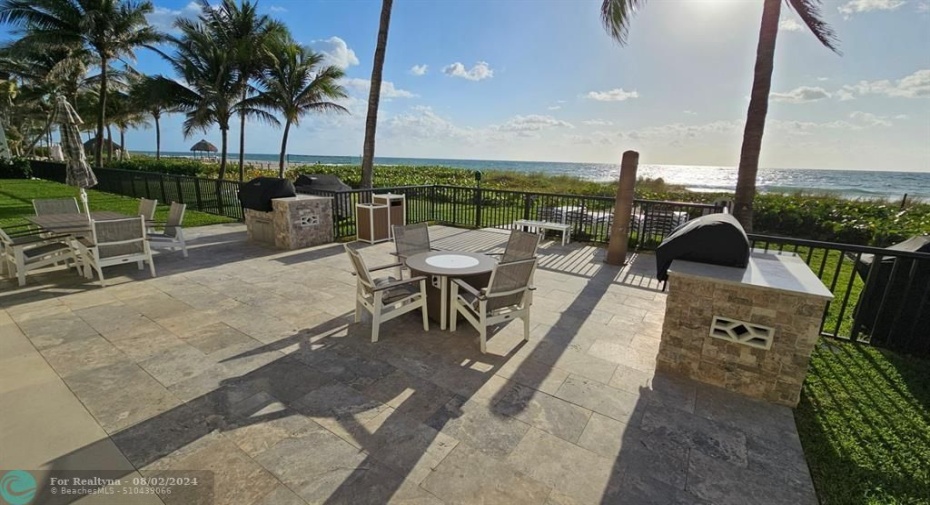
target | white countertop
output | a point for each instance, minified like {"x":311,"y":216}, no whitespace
{"x":303,"y":196}
{"x":781,"y":272}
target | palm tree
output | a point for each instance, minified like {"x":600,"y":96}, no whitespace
{"x":111,"y":29}
{"x":295,"y":86}
{"x":617,"y":14}
{"x":374,"y":95}
{"x":153,"y":96}
{"x":246,"y":35}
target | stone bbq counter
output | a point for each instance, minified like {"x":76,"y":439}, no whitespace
{"x":748,"y":330}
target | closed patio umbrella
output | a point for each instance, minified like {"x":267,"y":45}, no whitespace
{"x":4,"y":147}
{"x":77,"y":172}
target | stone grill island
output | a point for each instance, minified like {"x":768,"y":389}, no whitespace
{"x":748,"y":330}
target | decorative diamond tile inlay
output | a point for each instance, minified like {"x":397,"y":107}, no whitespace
{"x":741,"y":332}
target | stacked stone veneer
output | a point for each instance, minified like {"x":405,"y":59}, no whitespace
{"x":298,"y":222}
{"x":773,"y":374}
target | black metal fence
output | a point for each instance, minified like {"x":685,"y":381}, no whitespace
{"x":590,"y":217}
{"x":205,"y":195}
{"x":882,"y":296}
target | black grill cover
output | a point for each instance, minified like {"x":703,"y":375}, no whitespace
{"x":309,"y":183}
{"x":258,"y":193}
{"x":897,"y":323}
{"x":717,"y":239}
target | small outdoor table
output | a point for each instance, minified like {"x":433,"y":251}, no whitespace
{"x":71,"y":223}
{"x":473,"y":268}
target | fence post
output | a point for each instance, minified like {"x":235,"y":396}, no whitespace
{"x":478,"y":206}
{"x":177,"y":181}
{"x":432,"y":203}
{"x":623,"y":210}
{"x":198,"y":195}
{"x":527,"y":204}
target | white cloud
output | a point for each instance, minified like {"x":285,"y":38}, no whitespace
{"x":387,"y":88}
{"x":856,"y":6}
{"x":598,"y":122}
{"x":554,"y":107}
{"x":690,"y":112}
{"x":532,"y":122}
{"x":423,"y":123}
{"x":867,"y":119}
{"x":801,"y":95}
{"x":789,"y":25}
{"x":844,"y":95}
{"x":614,"y":95}
{"x":419,"y":69}
{"x":823,"y":79}
{"x":335,"y":51}
{"x":916,"y":85}
{"x":277,"y":8}
{"x":163,"y":19}
{"x":923,"y":7}
{"x":479,"y":72}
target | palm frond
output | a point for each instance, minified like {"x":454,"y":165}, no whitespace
{"x":809,"y":12}
{"x":616,"y":16}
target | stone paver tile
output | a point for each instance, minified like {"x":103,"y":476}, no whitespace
{"x":473,"y":423}
{"x":237,"y":479}
{"x":315,"y":479}
{"x":85,"y":354}
{"x":635,"y":487}
{"x":470,"y":477}
{"x":672,"y":391}
{"x":463,"y":378}
{"x":752,"y":416}
{"x":606,"y":349}
{"x":111,"y":317}
{"x":781,"y":457}
{"x":408,"y":394}
{"x":603,"y":435}
{"x":176,"y":364}
{"x":630,"y":380}
{"x":22,"y":369}
{"x":354,"y":371}
{"x":593,"y":395}
{"x":55,"y":330}
{"x":284,"y":378}
{"x":722,"y":483}
{"x":585,"y":365}
{"x":89,"y":298}
{"x":147,"y":343}
{"x":548,"y":413}
{"x":711,"y":438}
{"x":120,"y":395}
{"x":343,"y":411}
{"x":281,"y":495}
{"x":406,"y":446}
{"x":535,"y":374}
{"x":161,"y":306}
{"x":150,"y":440}
{"x":561,"y":465}
{"x":260,"y":422}
{"x":216,"y":337}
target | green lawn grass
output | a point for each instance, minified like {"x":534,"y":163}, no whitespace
{"x":16,"y":197}
{"x":864,"y":422}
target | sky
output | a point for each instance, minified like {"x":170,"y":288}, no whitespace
{"x":540,"y":80}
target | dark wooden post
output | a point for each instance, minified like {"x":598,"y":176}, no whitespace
{"x":623,"y":210}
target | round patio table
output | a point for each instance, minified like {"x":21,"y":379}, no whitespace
{"x":440,"y":265}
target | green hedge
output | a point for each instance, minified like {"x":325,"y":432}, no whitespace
{"x":17,"y":168}
{"x":174,"y":166}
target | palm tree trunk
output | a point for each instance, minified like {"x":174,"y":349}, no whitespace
{"x":122,"y":143}
{"x":157,"y":138}
{"x":224,"y":134}
{"x":109,"y":144}
{"x":242,"y":144}
{"x":374,"y":96}
{"x":755,"y":116}
{"x":102,"y":113}
{"x":287,"y":127}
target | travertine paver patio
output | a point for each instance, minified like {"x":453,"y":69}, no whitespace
{"x":244,"y":361}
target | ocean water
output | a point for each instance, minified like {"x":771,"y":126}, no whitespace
{"x":848,"y":183}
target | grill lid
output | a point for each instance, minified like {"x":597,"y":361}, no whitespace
{"x":258,"y":193}
{"x":717,"y":239}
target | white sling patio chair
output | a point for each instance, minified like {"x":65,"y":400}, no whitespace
{"x":24,"y":250}
{"x":409,"y":240}
{"x":505,"y":298}
{"x":385,"y":297}
{"x":172,"y":236}
{"x":521,"y":245}
{"x":114,"y":242}
{"x":56,"y":206}
{"x":147,"y":208}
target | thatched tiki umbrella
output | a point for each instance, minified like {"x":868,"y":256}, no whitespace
{"x":78,"y":172}
{"x":204,"y":147}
